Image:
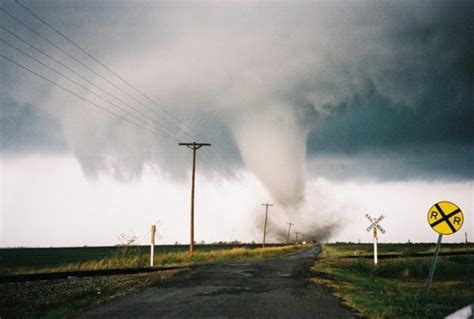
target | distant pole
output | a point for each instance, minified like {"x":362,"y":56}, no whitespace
{"x":194,"y":146}
{"x":265,"y":225}
{"x":375,"y":246}
{"x":296,"y":239}
{"x":289,"y":229}
{"x":152,"y":244}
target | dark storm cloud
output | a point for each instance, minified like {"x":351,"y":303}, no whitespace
{"x":371,"y":120}
{"x":24,"y":128}
{"x":427,"y":136}
{"x":342,"y":82}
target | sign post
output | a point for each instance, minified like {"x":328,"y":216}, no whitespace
{"x":375,"y":225}
{"x":152,"y":244}
{"x":444,"y":224}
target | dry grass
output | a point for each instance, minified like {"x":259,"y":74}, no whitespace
{"x":131,"y":259}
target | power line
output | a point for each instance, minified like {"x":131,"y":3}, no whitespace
{"x":77,"y":83}
{"x":169,"y":132}
{"x":91,"y":56}
{"x":81,"y":97}
{"x":108,"y":69}
{"x":18,"y":20}
{"x":74,"y":58}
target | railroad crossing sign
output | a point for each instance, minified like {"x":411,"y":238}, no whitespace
{"x":445,"y":218}
{"x":375,"y":223}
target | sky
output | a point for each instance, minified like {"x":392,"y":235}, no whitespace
{"x":329,"y":110}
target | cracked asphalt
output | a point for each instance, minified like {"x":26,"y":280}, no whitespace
{"x":272,"y":288}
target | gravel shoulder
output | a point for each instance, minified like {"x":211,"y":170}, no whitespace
{"x":61,"y":298}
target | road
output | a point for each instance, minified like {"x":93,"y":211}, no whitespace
{"x":273,"y":288}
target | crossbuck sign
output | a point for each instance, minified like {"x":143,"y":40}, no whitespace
{"x":375,"y":224}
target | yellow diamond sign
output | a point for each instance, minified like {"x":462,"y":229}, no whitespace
{"x":445,"y":218}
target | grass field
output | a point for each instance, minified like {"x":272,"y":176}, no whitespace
{"x":34,"y":260}
{"x":394,"y":288}
{"x":353,"y":250}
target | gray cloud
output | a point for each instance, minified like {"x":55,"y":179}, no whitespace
{"x":272,"y":84}
{"x":24,"y":128}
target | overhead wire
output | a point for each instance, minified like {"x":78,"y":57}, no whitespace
{"x":43,"y":53}
{"x":18,"y":20}
{"x":81,"y":97}
{"x":103,"y":65}
{"x":182,"y":125}
{"x":79,"y":84}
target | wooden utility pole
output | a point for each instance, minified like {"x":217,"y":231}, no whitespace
{"x":265,"y":225}
{"x":296,"y":239}
{"x":289,"y":229}
{"x":193,"y":146}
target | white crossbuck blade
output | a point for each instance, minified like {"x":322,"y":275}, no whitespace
{"x":375,"y":223}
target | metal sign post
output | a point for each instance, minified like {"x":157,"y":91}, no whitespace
{"x":432,"y":268}
{"x":375,"y":225}
{"x":445,"y":218}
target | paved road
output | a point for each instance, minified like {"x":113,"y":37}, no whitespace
{"x":273,"y":288}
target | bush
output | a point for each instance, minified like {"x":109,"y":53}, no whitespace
{"x":361,"y":265}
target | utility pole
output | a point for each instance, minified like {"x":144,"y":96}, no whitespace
{"x":193,"y":146}
{"x":289,"y":229}
{"x":296,"y":241}
{"x":265,"y":225}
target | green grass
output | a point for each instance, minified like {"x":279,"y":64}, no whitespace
{"x":394,"y":288}
{"x":353,"y":250}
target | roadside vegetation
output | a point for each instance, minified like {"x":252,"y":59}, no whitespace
{"x":18,"y":262}
{"x":394,"y":288}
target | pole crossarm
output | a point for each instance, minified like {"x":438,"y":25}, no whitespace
{"x":194,"y":145}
